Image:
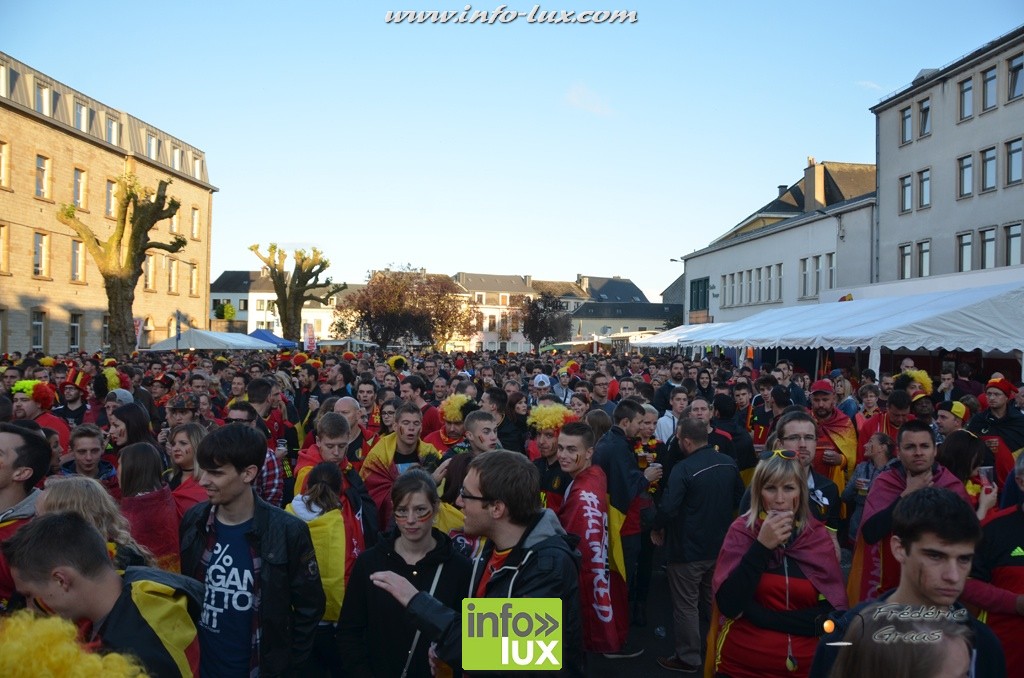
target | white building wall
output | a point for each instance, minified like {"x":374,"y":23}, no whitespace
{"x":845,"y":234}
{"x":951,"y":138}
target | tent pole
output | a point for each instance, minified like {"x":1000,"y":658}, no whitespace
{"x":875,"y":360}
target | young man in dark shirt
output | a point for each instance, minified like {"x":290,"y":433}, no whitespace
{"x":263,"y":596}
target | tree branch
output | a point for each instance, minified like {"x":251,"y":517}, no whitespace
{"x":172,"y":247}
{"x":67,"y":217}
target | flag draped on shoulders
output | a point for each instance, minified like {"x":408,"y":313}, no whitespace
{"x":379,"y":472}
{"x":603,"y":592}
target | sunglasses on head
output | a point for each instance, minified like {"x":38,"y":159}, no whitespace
{"x":788,"y":455}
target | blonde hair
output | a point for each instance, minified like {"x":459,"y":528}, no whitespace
{"x":32,"y":646}
{"x":86,"y":497}
{"x":776,"y":470}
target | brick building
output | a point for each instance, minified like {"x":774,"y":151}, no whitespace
{"x":59,"y":146}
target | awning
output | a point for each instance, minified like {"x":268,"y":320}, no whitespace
{"x":206,"y":340}
{"x":989,"y":318}
{"x":671,"y":338}
{"x":267,"y":335}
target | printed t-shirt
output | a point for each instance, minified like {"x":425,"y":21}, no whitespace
{"x":225,"y":628}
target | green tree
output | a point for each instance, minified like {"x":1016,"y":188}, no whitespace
{"x":544,"y":320}
{"x":294,"y":288}
{"x":120,"y":256}
{"x":229,"y":311}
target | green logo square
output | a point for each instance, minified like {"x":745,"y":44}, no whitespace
{"x":511,"y":634}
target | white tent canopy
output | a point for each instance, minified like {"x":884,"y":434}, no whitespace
{"x":671,"y":338}
{"x":988,"y":318}
{"x":204,"y":339}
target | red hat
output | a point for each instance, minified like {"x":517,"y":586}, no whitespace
{"x":1003,"y":385}
{"x":348,"y":355}
{"x":822,"y":386}
{"x":77,"y":379}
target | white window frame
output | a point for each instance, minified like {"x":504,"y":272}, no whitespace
{"x":966,"y":102}
{"x":74,"y":331}
{"x":79,"y":187}
{"x":924,"y":189}
{"x":924,"y":258}
{"x":905,"y":261}
{"x":1015,"y":77}
{"x":989,"y":169}
{"x":42,"y":98}
{"x":906,"y":125}
{"x":37,"y":325}
{"x":906,"y":194}
{"x":989,"y":89}
{"x":1015,"y":161}
{"x":1012,"y":238}
{"x":195,"y":223}
{"x":965,"y":176}
{"x":112,"y":130}
{"x":40,"y":255}
{"x":924,"y":117}
{"x":987,"y":249}
{"x":42,"y":177}
{"x":965,"y":252}
{"x":77,"y":261}
{"x":5,"y":171}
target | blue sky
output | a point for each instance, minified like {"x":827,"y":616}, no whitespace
{"x":517,"y":148}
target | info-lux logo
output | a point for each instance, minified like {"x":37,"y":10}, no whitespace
{"x":524,"y":634}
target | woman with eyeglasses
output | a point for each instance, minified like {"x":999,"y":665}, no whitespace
{"x":387,"y":416}
{"x":374,"y":636}
{"x":776,"y":579}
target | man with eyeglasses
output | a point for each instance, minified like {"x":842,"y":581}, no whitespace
{"x":527,"y":554}
{"x":599,"y":398}
{"x":269,"y":484}
{"x":798,"y":435}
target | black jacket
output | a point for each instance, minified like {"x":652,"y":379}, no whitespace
{"x":699,"y":504}
{"x":374,"y":636}
{"x":291,"y":597}
{"x":544,"y":564}
{"x":742,"y":443}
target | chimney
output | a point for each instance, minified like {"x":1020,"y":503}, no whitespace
{"x":528,"y":279}
{"x":583,"y":281}
{"x":814,"y":185}
{"x":782,"y":189}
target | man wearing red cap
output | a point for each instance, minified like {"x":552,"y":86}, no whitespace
{"x":1000,"y":426}
{"x":837,"y":436}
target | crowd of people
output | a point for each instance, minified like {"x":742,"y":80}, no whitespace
{"x":328,"y":514}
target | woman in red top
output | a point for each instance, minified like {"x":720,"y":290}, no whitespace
{"x":183,"y":441}
{"x":776,"y":579}
{"x":148,"y":505}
